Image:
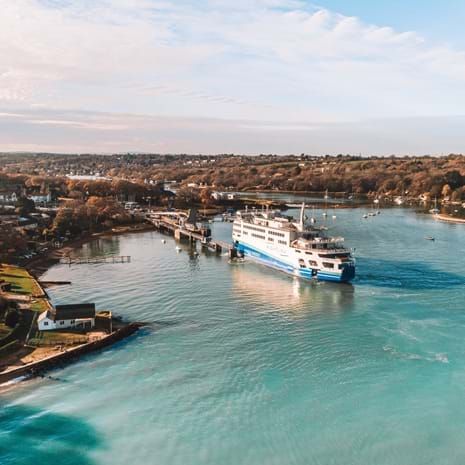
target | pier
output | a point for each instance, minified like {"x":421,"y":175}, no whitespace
{"x":94,"y":260}
{"x":183,"y":226}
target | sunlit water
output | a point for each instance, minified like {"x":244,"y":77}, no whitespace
{"x":244,"y":365}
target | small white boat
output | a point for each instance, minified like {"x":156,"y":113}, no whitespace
{"x":178,"y":249}
{"x":429,"y":238}
{"x":365,"y":216}
{"x":163,"y":241}
{"x":334,"y":217}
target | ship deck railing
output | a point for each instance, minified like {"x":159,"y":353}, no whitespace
{"x":322,"y":250}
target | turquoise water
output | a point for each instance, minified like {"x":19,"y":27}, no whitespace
{"x":244,"y":365}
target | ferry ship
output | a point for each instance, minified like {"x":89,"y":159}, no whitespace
{"x":291,"y":246}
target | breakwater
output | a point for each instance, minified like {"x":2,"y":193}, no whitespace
{"x":68,"y":355}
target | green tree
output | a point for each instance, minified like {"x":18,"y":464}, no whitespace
{"x":12,"y":318}
{"x":25,"y":206}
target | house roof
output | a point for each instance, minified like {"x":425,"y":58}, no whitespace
{"x":74,"y":311}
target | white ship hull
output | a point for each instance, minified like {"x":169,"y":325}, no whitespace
{"x":284,"y":261}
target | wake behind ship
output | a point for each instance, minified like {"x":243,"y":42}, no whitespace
{"x":280,"y":242}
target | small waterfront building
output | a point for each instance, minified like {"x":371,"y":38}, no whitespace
{"x":7,"y":196}
{"x":75,"y":316}
{"x":41,"y":198}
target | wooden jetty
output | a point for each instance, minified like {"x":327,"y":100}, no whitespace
{"x":94,"y":260}
{"x":54,"y":283}
{"x":173,"y":223}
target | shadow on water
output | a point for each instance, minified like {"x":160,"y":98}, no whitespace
{"x":102,"y":246}
{"x":404,"y":275}
{"x":31,"y":435}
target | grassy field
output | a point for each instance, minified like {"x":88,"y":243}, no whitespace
{"x":39,"y":305}
{"x":50,"y":338}
{"x":21,"y":281}
{"x":4,"y":330}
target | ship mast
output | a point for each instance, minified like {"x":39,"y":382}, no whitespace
{"x":302,"y":216}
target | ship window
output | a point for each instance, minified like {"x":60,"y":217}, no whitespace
{"x":298,"y":251}
{"x":309,"y":253}
{"x":271,"y":239}
{"x":301,"y":263}
{"x":328,"y":265}
{"x":313,"y":263}
{"x":283,"y":242}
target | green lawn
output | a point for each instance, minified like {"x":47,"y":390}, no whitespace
{"x":4,"y":330}
{"x":21,"y":281}
{"x":49,"y":338}
{"x":40,"y":305}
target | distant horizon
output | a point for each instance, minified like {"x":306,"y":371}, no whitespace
{"x":222,"y":154}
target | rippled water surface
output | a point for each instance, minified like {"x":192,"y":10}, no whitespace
{"x":244,"y":365}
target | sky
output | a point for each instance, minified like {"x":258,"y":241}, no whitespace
{"x":233,"y":76}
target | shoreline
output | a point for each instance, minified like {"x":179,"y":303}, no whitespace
{"x":39,"y":367}
{"x":17,"y":374}
{"x":39,"y":265}
{"x":449,"y":219}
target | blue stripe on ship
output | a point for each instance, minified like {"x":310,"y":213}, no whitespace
{"x":347,"y":273}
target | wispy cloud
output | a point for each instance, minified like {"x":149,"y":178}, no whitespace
{"x":72,"y":131}
{"x":263,"y":60}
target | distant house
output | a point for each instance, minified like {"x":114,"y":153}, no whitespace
{"x":223,"y":195}
{"x":41,"y":198}
{"x":75,"y":316}
{"x":217,"y":195}
{"x":7,"y":196}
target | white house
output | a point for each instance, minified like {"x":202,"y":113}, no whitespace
{"x":76,"y":316}
{"x":7,"y":196}
{"x":217,"y":195}
{"x":41,"y":198}
{"x":223,"y":195}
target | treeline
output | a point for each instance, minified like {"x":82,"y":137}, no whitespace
{"x":442,"y":177}
{"x":429,"y":177}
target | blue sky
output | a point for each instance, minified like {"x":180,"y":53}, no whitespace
{"x":245,"y":76}
{"x":440,"y":21}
